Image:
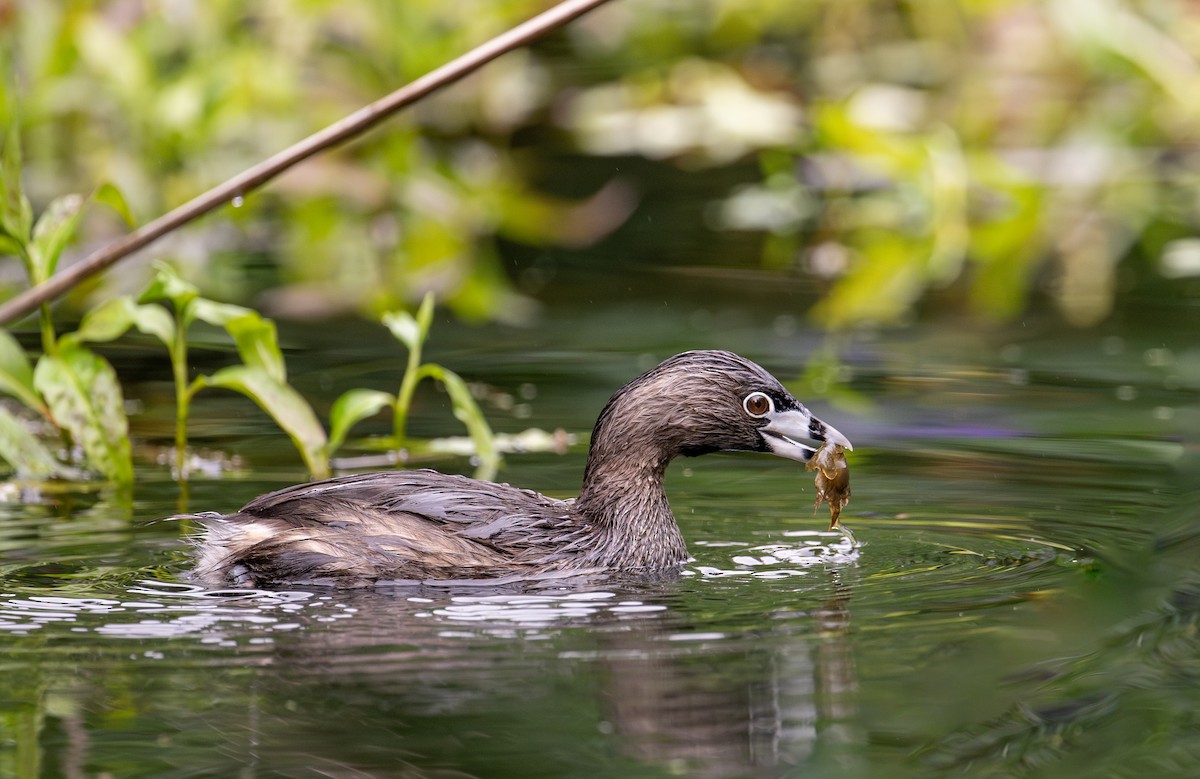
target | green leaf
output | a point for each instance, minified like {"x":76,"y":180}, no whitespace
{"x":217,"y":314}
{"x":404,"y":327}
{"x":16,"y":373}
{"x":107,"y":194}
{"x":289,"y":410}
{"x":258,"y":343}
{"x":55,"y":229}
{"x":411,"y":331}
{"x":16,"y":215}
{"x":168,"y":285}
{"x":113,"y":318}
{"x":425,"y":315}
{"x":85,"y":398}
{"x":351,"y":408}
{"x":254,"y":335}
{"x":21,"y":449}
{"x":9,"y":247}
{"x":467,"y":411}
{"x":154,"y":320}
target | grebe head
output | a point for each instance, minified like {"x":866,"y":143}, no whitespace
{"x":705,"y":401}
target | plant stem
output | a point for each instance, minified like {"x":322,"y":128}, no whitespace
{"x":49,"y":339}
{"x":183,"y":398}
{"x":408,"y":385}
{"x":45,"y":318}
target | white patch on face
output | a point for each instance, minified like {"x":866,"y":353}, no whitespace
{"x":787,"y":434}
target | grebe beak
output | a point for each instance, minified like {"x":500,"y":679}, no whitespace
{"x":797,"y":435}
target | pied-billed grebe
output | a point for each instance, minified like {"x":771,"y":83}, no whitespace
{"x":353,"y":531}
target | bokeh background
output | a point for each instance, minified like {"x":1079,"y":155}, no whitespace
{"x":889,"y":160}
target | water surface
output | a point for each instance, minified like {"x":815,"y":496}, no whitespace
{"x":1021,"y":599}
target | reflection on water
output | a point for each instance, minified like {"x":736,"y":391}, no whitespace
{"x":669,"y":710}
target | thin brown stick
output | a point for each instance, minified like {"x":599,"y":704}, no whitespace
{"x":349,"y":127}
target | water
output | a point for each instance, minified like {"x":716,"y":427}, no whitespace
{"x":1021,"y":599}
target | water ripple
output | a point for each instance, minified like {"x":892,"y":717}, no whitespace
{"x":231,"y":617}
{"x":811,"y":549}
{"x":194,"y":611}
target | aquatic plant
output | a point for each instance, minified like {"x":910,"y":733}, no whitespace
{"x":70,"y":387}
{"x":261,"y":376}
{"x":84,"y":390}
{"x":413,"y":332}
{"x":74,"y":391}
{"x":355,"y":405}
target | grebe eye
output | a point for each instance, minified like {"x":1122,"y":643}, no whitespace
{"x":758,"y":404}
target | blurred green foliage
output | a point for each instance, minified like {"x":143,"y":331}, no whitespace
{"x":985,"y":149}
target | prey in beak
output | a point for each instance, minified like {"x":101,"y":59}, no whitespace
{"x":796,"y":434}
{"x":788,"y":429}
